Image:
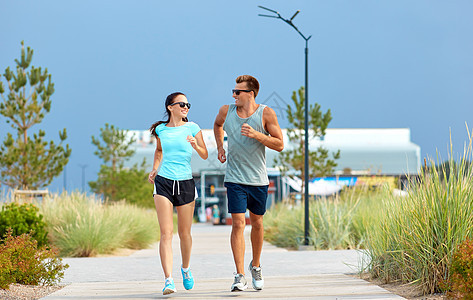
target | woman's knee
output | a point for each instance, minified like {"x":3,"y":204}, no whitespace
{"x":166,"y":235}
{"x":184,"y":234}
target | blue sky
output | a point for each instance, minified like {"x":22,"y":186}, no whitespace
{"x":375,"y":64}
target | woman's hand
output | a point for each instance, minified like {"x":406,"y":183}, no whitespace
{"x":192,"y":141}
{"x":197,"y":142}
{"x":151,"y":176}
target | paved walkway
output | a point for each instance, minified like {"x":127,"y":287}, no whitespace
{"x":287,"y":274}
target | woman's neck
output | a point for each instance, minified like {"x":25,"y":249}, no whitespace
{"x":175,"y":122}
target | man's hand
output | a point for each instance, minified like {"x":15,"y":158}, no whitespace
{"x":221,"y":155}
{"x":151,"y":176}
{"x":248,"y":131}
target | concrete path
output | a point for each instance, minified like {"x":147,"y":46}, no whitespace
{"x":287,"y":274}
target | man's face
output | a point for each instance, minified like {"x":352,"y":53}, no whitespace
{"x":243,"y":95}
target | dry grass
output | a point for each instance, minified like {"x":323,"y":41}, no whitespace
{"x":408,"y":291}
{"x":27,"y":292}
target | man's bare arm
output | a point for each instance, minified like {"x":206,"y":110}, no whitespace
{"x":270,"y":122}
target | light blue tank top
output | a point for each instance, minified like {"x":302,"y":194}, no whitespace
{"x":246,"y":157}
{"x":177,"y":151}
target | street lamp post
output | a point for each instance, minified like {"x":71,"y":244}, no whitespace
{"x":65,"y":179}
{"x":83,"y":176}
{"x":306,"y":118}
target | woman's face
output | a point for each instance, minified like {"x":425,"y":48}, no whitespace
{"x":176,"y":109}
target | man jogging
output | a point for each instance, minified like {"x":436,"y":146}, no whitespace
{"x":250,"y":127}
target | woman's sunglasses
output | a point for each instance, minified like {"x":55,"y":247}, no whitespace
{"x":237,"y":92}
{"x":182,"y":104}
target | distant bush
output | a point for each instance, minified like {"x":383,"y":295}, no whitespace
{"x":130,"y":185}
{"x":22,"y":262}
{"x":23,"y":218}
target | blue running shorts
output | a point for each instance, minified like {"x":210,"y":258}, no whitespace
{"x":242,"y":197}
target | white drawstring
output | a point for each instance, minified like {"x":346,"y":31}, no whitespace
{"x":173,"y":184}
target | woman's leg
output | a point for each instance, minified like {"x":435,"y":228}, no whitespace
{"x":185,"y":215}
{"x":164,"y":209}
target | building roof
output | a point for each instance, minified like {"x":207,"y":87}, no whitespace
{"x":387,"y":151}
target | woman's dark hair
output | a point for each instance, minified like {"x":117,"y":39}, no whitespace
{"x":169,"y":100}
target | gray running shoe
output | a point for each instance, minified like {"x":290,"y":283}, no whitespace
{"x":239,"y":283}
{"x":257,"y":277}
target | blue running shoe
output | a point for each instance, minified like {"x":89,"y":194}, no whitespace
{"x":169,"y":287}
{"x":187,"y":279}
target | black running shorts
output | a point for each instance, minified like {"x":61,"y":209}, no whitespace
{"x":179,"y":192}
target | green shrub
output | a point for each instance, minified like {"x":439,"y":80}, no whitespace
{"x":23,"y":218}
{"x":22,"y":262}
{"x":460,"y":282}
{"x":129,"y":184}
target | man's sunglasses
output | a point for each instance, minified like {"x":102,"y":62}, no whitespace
{"x":182,"y":104}
{"x":237,"y":92}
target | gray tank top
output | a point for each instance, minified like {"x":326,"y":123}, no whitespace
{"x":246,"y":157}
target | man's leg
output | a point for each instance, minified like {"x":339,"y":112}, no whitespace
{"x":257,"y":235}
{"x":257,"y":207}
{"x":237,"y":201}
{"x":237,"y":240}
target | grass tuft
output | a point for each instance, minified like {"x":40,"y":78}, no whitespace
{"x":81,"y":225}
{"x":417,"y":235}
{"x":339,"y":222}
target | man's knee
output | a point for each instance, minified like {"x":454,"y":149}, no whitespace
{"x":256,"y":221}
{"x":238,"y":223}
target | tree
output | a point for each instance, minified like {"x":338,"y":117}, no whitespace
{"x":319,"y":162}
{"x":116,"y":148}
{"x":25,"y":162}
{"x":115,"y":182}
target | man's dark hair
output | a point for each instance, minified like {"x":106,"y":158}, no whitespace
{"x":251,"y":83}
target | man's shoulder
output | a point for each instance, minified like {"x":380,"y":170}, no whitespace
{"x":269,"y":117}
{"x":224,"y":109}
{"x":268,"y":111}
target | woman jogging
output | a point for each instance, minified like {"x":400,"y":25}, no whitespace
{"x":174,"y":185}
